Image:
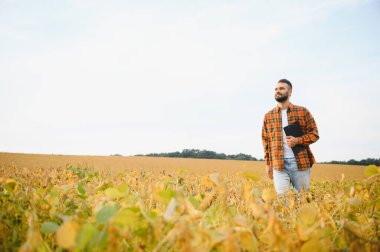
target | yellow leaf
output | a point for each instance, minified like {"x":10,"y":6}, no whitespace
{"x":308,"y":215}
{"x":248,"y":242}
{"x":307,"y":222}
{"x":67,"y":234}
{"x":304,"y":232}
{"x":354,"y":227}
{"x":207,"y":200}
{"x":313,"y":245}
{"x":210,"y":180}
{"x":191,"y":209}
{"x":214,"y":178}
{"x":253,"y":176}
{"x":268,"y":194}
{"x":170,"y":210}
{"x":257,"y":210}
{"x":355,"y":202}
{"x":206,"y":181}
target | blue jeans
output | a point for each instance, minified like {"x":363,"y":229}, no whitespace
{"x":300,"y":180}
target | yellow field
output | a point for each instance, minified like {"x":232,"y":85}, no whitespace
{"x":93,"y":203}
{"x":169,"y":165}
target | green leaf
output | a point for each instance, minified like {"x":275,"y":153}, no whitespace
{"x":104,"y":186}
{"x":113,"y":193}
{"x":183,"y":171}
{"x":233,"y":210}
{"x":127,"y":216}
{"x":82,"y":196}
{"x":104,"y":214}
{"x":194,"y":202}
{"x":85,"y":234}
{"x":123,"y":188}
{"x":152,"y":214}
{"x":181,"y":181}
{"x":142,"y":232}
{"x":49,"y":227}
{"x":10,"y":185}
{"x":102,"y":239}
{"x":170,"y":181}
{"x":371,"y":170}
{"x":166,"y":195}
{"x":81,"y":188}
{"x":44,"y":201}
{"x":54,"y":193}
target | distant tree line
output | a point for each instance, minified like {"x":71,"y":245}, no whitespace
{"x":368,"y":161}
{"x":194,"y":153}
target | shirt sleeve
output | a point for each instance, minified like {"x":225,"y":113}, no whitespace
{"x":264,"y":136}
{"x":312,"y":131}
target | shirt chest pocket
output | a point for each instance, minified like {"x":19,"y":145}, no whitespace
{"x":301,"y":121}
{"x":295,"y":117}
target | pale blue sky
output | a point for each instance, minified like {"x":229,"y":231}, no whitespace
{"x":129,"y":77}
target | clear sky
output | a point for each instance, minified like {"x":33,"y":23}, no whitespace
{"x":129,"y":77}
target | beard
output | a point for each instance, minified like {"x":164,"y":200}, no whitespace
{"x":282,"y":98}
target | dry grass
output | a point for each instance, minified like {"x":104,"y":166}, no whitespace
{"x":115,"y":164}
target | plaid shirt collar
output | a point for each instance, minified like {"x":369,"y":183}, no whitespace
{"x":290,"y":108}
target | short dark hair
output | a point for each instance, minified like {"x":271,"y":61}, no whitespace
{"x":286,"y":82}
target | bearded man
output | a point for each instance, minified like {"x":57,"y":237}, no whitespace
{"x":283,"y":164}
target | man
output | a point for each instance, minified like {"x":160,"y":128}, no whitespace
{"x":283,"y":164}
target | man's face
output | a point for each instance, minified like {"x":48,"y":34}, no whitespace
{"x":282,"y":92}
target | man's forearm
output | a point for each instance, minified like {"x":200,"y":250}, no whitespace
{"x":269,"y":170}
{"x":308,"y":139}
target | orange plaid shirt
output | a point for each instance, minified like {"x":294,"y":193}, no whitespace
{"x":272,"y":137}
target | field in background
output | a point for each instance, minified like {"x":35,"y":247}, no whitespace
{"x":169,"y":165}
